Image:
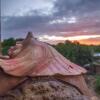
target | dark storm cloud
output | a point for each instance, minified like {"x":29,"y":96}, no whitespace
{"x":36,"y":21}
{"x":76,"y":7}
{"x":21,"y":22}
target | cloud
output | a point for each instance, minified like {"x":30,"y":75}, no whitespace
{"x":21,"y":7}
{"x":34,"y":22}
{"x":60,"y":38}
{"x":64,"y":20}
{"x":76,"y":7}
{"x":58,"y":16}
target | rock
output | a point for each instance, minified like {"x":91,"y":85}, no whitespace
{"x":44,"y":88}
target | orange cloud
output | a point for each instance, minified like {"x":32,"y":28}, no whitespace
{"x":92,"y":41}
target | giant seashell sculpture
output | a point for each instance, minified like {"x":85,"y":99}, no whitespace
{"x":37,"y":58}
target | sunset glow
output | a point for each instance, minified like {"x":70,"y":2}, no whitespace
{"x":47,"y":37}
{"x":90,"y":41}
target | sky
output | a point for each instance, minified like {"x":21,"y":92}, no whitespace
{"x":52,"y":20}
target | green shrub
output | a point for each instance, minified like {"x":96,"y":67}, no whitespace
{"x":5,"y":50}
{"x":6,"y":44}
{"x":97,"y":85}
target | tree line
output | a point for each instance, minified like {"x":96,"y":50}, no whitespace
{"x":77,"y":53}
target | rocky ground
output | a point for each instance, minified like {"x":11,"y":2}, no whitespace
{"x":91,"y":80}
{"x":45,"y":88}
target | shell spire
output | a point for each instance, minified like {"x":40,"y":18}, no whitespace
{"x":28,"y":39}
{"x":29,"y":35}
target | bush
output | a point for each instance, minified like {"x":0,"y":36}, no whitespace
{"x":7,"y":44}
{"x":5,"y":50}
{"x":97,"y":85}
